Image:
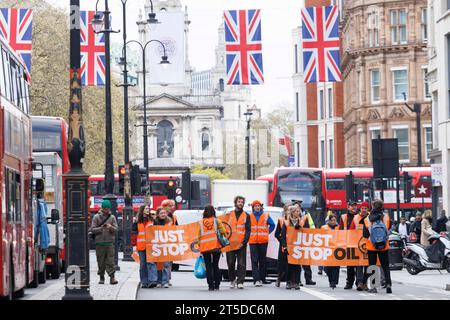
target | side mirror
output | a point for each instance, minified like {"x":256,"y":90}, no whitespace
{"x":40,"y":185}
{"x":55,"y":216}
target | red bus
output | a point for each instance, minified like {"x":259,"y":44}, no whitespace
{"x":17,"y":251}
{"x":269,"y":179}
{"x":336,"y":198}
{"x":50,"y":135}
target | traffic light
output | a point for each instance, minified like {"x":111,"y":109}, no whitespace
{"x":171,"y":186}
{"x":407,"y":185}
{"x":350,"y":187}
{"x":122,"y":172}
{"x":136,"y":186}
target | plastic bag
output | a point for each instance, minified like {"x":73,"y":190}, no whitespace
{"x":200,"y":268}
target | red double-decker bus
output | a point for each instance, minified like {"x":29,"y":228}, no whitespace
{"x":336,"y":198}
{"x":17,"y":251}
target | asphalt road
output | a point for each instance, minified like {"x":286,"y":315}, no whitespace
{"x":426,"y":286}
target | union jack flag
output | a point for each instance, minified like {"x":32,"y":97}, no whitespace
{"x":16,"y":29}
{"x":92,"y":52}
{"x":321,"y":44}
{"x":243,"y":47}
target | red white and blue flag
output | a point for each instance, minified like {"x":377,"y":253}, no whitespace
{"x":321,"y":44}
{"x":92,"y":52}
{"x":16,"y":29}
{"x":243,"y":47}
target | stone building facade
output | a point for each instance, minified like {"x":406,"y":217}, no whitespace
{"x":385,"y":61}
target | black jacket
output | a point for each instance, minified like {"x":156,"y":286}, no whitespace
{"x":283,"y":241}
{"x":440,"y":224}
{"x":408,"y":228}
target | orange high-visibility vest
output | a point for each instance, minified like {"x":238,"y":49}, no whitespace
{"x":281,"y":220}
{"x":260,"y":229}
{"x":303,"y":220}
{"x":238,"y":226}
{"x":345,"y":220}
{"x":208,"y":235}
{"x":140,"y":242}
{"x":357,"y":219}
{"x":369,"y":244}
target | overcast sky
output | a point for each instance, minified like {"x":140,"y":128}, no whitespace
{"x":279,"y":18}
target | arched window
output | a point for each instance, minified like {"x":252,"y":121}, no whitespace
{"x":205,"y":140}
{"x":165,"y":139}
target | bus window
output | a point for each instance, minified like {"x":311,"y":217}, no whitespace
{"x":335,"y":184}
{"x":17,"y":197}
{"x":159,"y":188}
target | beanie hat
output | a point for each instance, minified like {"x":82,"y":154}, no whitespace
{"x":364,"y":204}
{"x":255,"y":202}
{"x":106,"y":204}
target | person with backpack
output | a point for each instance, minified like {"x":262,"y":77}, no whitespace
{"x":375,"y":230}
{"x":210,"y":246}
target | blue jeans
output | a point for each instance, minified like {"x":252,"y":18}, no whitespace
{"x":147,"y":271}
{"x":163,"y":275}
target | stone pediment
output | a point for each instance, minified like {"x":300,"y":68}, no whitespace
{"x":373,"y":115}
{"x":397,"y":113}
{"x":167,"y":101}
{"x":427,"y":112}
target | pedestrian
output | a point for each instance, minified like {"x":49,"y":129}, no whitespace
{"x":376,"y":226}
{"x":147,"y":270}
{"x":239,"y":222}
{"x":329,"y":215}
{"x":364,"y":208}
{"x":415,"y":232}
{"x":163,"y":219}
{"x":293,"y":270}
{"x":104,"y":227}
{"x":210,"y":246}
{"x":427,"y":230}
{"x":332,"y":272}
{"x":282,"y":254}
{"x":261,"y":226}
{"x":441,"y":222}
{"x":307,"y":222}
{"x":350,"y":221}
{"x":170,"y":206}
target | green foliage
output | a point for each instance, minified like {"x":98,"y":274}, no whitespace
{"x":213,"y":174}
{"x":50,"y":84}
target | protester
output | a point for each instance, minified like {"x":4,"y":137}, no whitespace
{"x":373,"y":228}
{"x":293,"y":270}
{"x":359,"y":220}
{"x":261,"y":226}
{"x":163,"y":219}
{"x":210,"y":246}
{"x":441,"y":222}
{"x":415,"y":231}
{"x":427,"y":230}
{"x":239,"y":222}
{"x":332,"y":272}
{"x":104,"y":227}
{"x":147,"y":270}
{"x":350,"y":221}
{"x":306,"y":221}
{"x":282,"y":254}
{"x":170,"y":206}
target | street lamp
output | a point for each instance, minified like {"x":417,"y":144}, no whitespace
{"x":164,"y":62}
{"x":417,"y":108}
{"x":248,"y":118}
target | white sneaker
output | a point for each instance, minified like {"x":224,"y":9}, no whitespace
{"x":166,"y":285}
{"x":159,"y":285}
{"x":258,"y":284}
{"x":233,"y":284}
{"x":170,"y":284}
{"x":240,"y":286}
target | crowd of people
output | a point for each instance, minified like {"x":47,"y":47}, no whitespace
{"x":252,"y":231}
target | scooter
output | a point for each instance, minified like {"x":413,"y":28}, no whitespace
{"x":417,"y":260}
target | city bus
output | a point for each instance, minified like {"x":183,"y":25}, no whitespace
{"x":17,"y":251}
{"x":336,"y":198}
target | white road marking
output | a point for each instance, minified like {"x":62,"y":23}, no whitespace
{"x":318,"y":294}
{"x":413,"y":296}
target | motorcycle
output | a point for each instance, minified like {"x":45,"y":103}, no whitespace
{"x":435,"y":257}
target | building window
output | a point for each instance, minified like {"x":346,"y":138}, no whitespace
{"x":205,"y":140}
{"x":331,"y":153}
{"x":322,"y":153}
{"x":400,"y":81}
{"x":448,"y":4}
{"x":321,"y":105}
{"x":330,"y":102}
{"x":424,"y":24}
{"x":375,"y":85}
{"x":165,"y":143}
{"x":297,"y":106}
{"x":428,"y":135}
{"x":398,"y":26}
{"x":426,"y":83}
{"x":296,"y":58}
{"x":373,"y":29}
{"x":375,"y":133}
{"x":402,"y":134}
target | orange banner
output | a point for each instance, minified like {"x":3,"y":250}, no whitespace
{"x":326,"y":247}
{"x":177,"y":243}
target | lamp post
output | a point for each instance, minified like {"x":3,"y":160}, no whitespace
{"x":248,"y":118}
{"x":164,"y":62}
{"x":76,"y":180}
{"x":417,"y":108}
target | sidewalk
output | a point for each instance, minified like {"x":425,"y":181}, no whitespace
{"x":128,"y":278}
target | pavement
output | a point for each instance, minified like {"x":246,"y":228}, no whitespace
{"x":405,"y":287}
{"x":126,"y":289}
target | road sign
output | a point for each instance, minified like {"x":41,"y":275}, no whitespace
{"x":423,"y":190}
{"x":178,"y":199}
{"x":291,"y":161}
{"x":179,"y":191}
